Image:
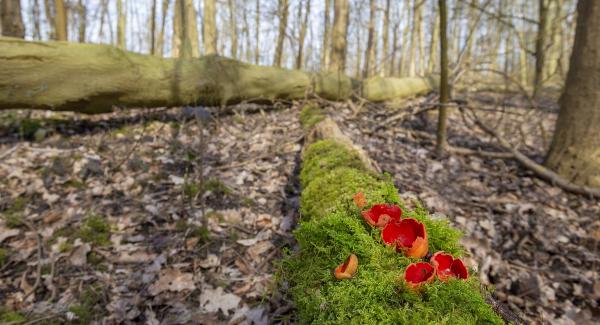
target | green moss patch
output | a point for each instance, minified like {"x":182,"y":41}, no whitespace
{"x":11,"y":317}
{"x":88,"y":308}
{"x":310,"y":115}
{"x":95,"y":230}
{"x":332,"y":228}
{"x":14,"y":214}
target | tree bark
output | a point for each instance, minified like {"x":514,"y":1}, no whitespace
{"x":210,"y":27}
{"x":48,"y":5}
{"x":161,"y":34}
{"x":326,"y":33}
{"x":12,"y":20}
{"x":185,"y":31}
{"x":371,"y":34}
{"x":91,"y":78}
{"x":302,"y":36}
{"x":283,"y":17}
{"x":257,"y":45}
{"x":434,"y":43}
{"x":575,"y":149}
{"x":540,"y":44}
{"x":121,"y":21}
{"x":153,"y":28}
{"x":341,"y":13}
{"x":441,"y":141}
{"x":385,"y":65}
{"x":233,"y":29}
{"x":82,"y":13}
{"x":36,"y":20}
{"x":60,"y":20}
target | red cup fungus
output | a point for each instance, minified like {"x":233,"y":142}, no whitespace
{"x":418,"y":274}
{"x":381,"y":214}
{"x":408,"y":235}
{"x":447,"y":266}
{"x":360,"y":200}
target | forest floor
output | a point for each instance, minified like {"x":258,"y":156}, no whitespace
{"x":179,"y":216}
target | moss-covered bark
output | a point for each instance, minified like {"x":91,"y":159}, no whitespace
{"x":332,"y":228}
{"x":93,"y":78}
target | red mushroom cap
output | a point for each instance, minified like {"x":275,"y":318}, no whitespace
{"x":408,"y":235}
{"x":381,"y":214}
{"x":446,"y":266}
{"x":417,"y":274}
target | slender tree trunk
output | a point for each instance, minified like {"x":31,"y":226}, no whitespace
{"x":161,"y":34}
{"x":233,"y":28}
{"x":369,"y":50}
{"x":434,"y":43}
{"x":326,"y":32}
{"x":210,"y":27}
{"x":556,"y":38}
{"x":35,"y":13}
{"x":185,"y":32}
{"x":82,"y":12}
{"x":48,"y":9}
{"x":341,"y":13}
{"x":385,"y":65}
{"x":60,"y":20}
{"x":575,"y":149}
{"x":540,"y":44}
{"x":12,"y":20}
{"x":299,"y":57}
{"x":153,"y":29}
{"x":257,"y":23}
{"x":283,"y":17}
{"x":416,"y":27}
{"x":121,"y":14}
{"x":421,"y":40}
{"x":395,"y":45}
{"x":441,"y":141}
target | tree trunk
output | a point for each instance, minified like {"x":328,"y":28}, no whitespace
{"x":60,"y":20}
{"x":210,"y":27}
{"x":36,"y":20}
{"x":434,"y":43}
{"x":441,"y":141}
{"x":185,"y":32}
{"x":48,"y":5}
{"x":283,"y":17}
{"x":121,"y":21}
{"x":257,"y":45}
{"x":233,"y":29}
{"x":153,"y":29}
{"x":91,"y":78}
{"x":369,"y":50}
{"x":326,"y":32}
{"x":81,"y":10}
{"x":12,"y":20}
{"x":385,"y":66}
{"x":161,"y":34}
{"x":302,"y":36}
{"x":415,"y":32}
{"x":540,"y":44}
{"x":575,"y":149}
{"x":341,"y":13}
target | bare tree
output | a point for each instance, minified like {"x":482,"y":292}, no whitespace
{"x":12,"y":20}
{"x":341,"y":11}
{"x":540,"y":46}
{"x":161,"y":34}
{"x":153,"y":28}
{"x":60,"y":20}
{"x":210,"y":27}
{"x":370,"y":47}
{"x":82,"y":16}
{"x":302,"y":36}
{"x":386,"y":39}
{"x":121,"y":21}
{"x":441,"y":141}
{"x":283,"y":17}
{"x":575,"y":149}
{"x":326,"y":32}
{"x":257,"y":45}
{"x":233,"y":28}
{"x":185,"y":30}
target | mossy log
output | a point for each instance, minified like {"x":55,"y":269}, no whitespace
{"x":92,"y":78}
{"x":331,"y":228}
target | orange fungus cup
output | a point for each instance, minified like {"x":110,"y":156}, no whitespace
{"x":418,"y":274}
{"x":408,"y":235}
{"x":447,"y":266}
{"x":381,"y":214}
{"x":347,"y":269}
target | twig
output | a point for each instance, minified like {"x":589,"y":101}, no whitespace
{"x":8,"y":152}
{"x":541,"y":171}
{"x":38,"y":278}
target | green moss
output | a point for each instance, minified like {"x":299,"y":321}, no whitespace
{"x":200,"y":232}
{"x":13,"y":216}
{"x":95,"y":230}
{"x":4,"y":254}
{"x":89,"y":308}
{"x":75,"y":183}
{"x":336,"y":189}
{"x":11,"y":317}
{"x":216,"y":186}
{"x":332,"y":228}
{"x":323,"y":156}
{"x":310,"y":115}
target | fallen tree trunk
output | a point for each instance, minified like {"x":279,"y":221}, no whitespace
{"x":92,"y":78}
{"x":331,"y":228}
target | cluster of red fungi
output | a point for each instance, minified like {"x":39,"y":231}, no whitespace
{"x":409,"y":237}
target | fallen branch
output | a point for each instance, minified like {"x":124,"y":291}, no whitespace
{"x":541,"y":171}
